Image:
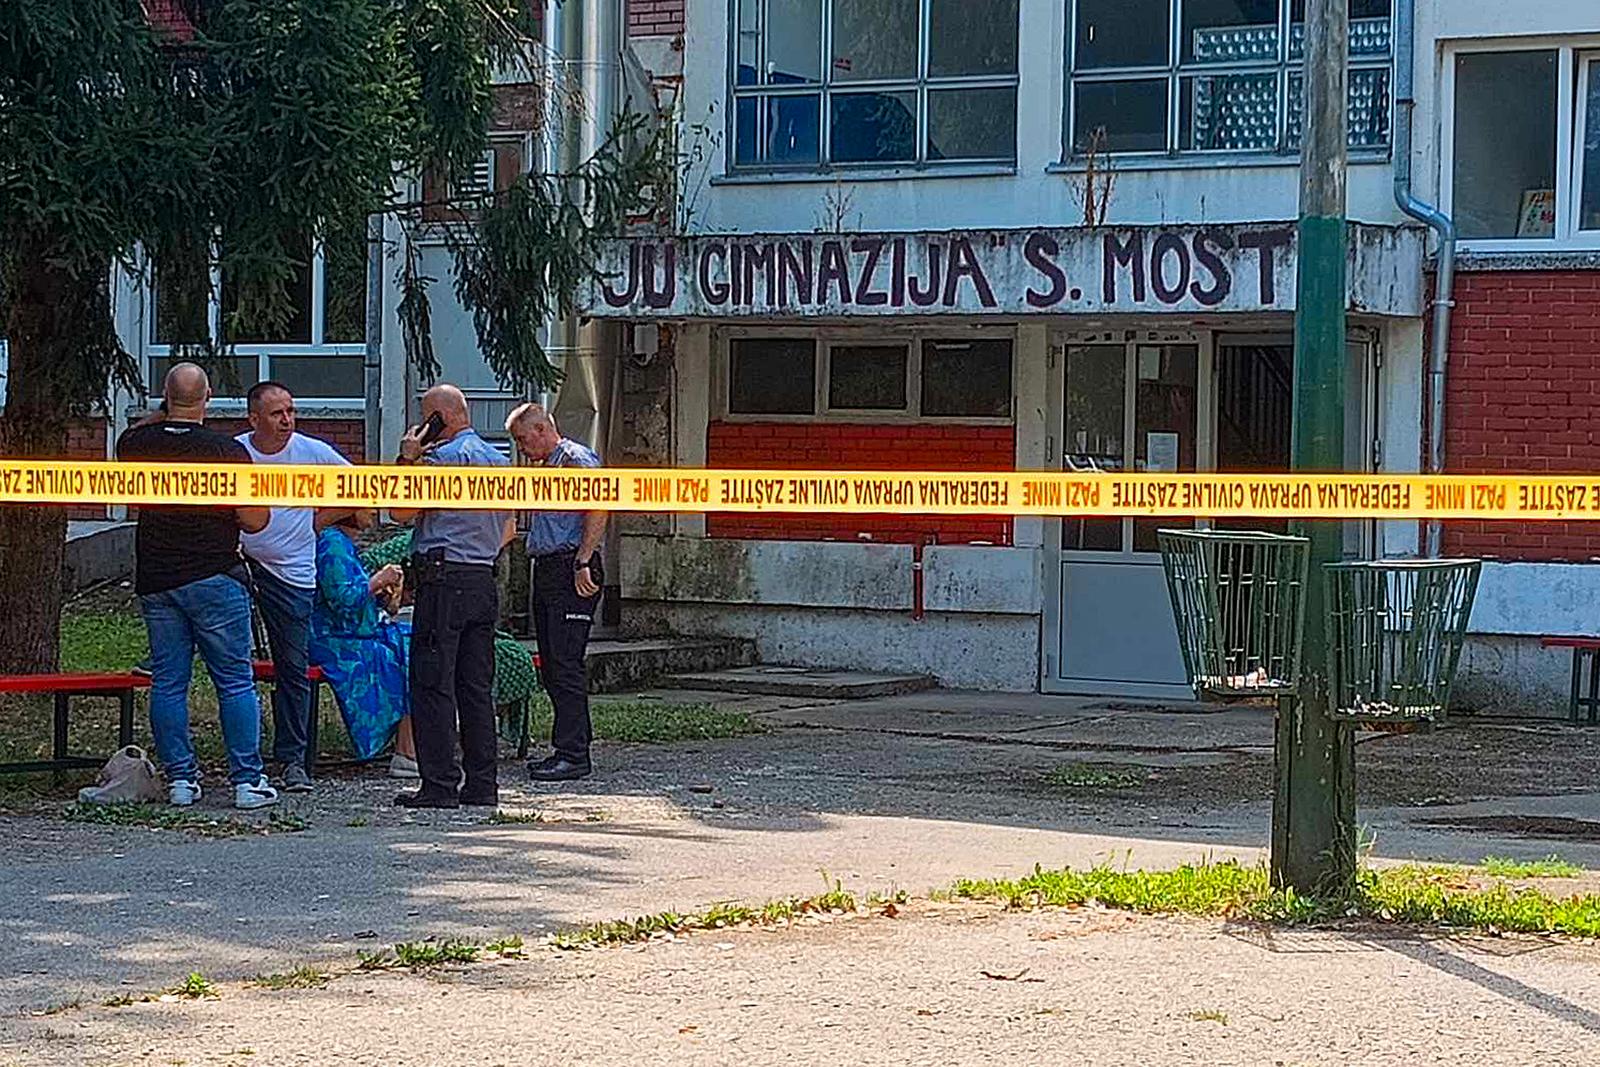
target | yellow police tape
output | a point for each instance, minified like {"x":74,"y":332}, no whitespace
{"x":1348,"y":496}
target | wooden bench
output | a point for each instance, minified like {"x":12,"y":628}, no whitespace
{"x":119,"y":687}
{"x":1585,"y":694}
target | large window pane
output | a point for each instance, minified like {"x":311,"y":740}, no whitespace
{"x":344,"y":284}
{"x":867,"y":377}
{"x":794,"y":42}
{"x":875,"y":40}
{"x":321,"y":377}
{"x":747,"y":43}
{"x":1165,"y":416}
{"x":1131,"y":114}
{"x":772,"y":376}
{"x":183,"y":299}
{"x":1370,"y":33}
{"x":972,"y":37}
{"x":874,"y":127}
{"x":1095,"y":394}
{"x":294,"y":327}
{"x":230,"y":378}
{"x":972,"y":124}
{"x":793,"y":129}
{"x":969,"y":379}
{"x":1589,"y":162}
{"x":1237,"y":112}
{"x":1121,"y":33}
{"x":1505,"y":144}
{"x":1368,"y":114}
{"x":1230,"y":31}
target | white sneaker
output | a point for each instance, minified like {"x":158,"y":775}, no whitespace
{"x":403,"y":767}
{"x":182,"y":793}
{"x":258,"y":794}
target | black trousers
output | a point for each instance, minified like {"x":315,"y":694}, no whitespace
{"x":561,"y":619}
{"x":452,"y":676}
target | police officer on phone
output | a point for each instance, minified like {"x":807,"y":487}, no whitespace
{"x":457,"y":609}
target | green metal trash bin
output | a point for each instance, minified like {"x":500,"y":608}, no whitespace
{"x":1395,"y":633}
{"x":1239,"y":601}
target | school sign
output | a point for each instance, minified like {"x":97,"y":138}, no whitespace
{"x":1000,"y":273}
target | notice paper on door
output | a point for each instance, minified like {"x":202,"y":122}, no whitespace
{"x":1161,"y":452}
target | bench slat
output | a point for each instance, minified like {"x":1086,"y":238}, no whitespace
{"x":71,"y":683}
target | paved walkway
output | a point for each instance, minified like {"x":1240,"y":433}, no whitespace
{"x":906,"y":792}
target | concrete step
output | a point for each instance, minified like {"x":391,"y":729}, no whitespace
{"x":810,"y":682}
{"x":636,"y":663}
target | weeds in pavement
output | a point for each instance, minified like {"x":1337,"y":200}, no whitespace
{"x":121,"y":1000}
{"x":505,"y":946}
{"x":836,"y":900}
{"x":357,"y":823}
{"x":1551,"y":866}
{"x":299,"y":978}
{"x":1074,"y":776}
{"x":57,"y":1009}
{"x":1437,"y":896}
{"x":421,"y":955}
{"x":195,"y":987}
{"x":1209,"y":1015}
{"x":163,"y":817}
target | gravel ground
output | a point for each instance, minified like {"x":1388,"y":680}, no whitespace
{"x":939,"y":984}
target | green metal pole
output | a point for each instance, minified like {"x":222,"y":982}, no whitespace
{"x":1313,"y":838}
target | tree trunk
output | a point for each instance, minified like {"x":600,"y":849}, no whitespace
{"x":44,"y":312}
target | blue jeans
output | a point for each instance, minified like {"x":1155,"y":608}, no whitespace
{"x":286,"y":609}
{"x":213,"y":615}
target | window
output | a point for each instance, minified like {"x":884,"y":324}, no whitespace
{"x":855,"y":375}
{"x":874,"y":82}
{"x":772,"y":376}
{"x":316,"y":348}
{"x":1167,"y":76}
{"x":1523,"y":153}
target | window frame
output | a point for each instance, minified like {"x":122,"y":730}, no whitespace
{"x":825,"y":88}
{"x":1175,"y":73}
{"x":262,"y":353}
{"x":825,"y":338}
{"x":1572,"y":55}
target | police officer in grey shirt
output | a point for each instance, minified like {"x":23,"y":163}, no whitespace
{"x":457,"y":610}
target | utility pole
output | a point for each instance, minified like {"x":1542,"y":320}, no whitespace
{"x":1313,"y":817}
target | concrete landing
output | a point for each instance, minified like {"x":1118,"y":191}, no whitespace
{"x":815,"y":683}
{"x":618,"y":665}
{"x":97,"y":552}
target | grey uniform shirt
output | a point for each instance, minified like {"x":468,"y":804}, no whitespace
{"x":466,"y":536}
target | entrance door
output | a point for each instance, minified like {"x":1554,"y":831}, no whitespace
{"x":1129,"y":403}
{"x":1157,"y":402}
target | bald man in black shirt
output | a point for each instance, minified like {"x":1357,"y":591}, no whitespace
{"x":194,"y":594}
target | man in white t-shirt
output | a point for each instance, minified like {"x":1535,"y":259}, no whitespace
{"x":283,"y":565}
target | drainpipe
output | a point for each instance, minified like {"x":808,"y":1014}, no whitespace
{"x":1444,"y":285}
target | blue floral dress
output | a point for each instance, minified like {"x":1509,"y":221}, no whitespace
{"x":363,"y":657}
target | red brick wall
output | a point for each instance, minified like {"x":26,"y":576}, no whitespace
{"x":86,"y":439}
{"x":655,"y":18}
{"x":349,"y":436}
{"x":1524,"y":396}
{"x":850,"y":446}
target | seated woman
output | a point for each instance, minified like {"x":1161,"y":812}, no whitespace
{"x":363,"y":655}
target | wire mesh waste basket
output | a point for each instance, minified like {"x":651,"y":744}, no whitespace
{"x":1239,"y":601}
{"x":1396,"y":628}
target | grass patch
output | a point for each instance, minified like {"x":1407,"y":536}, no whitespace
{"x":648,"y":722}
{"x":164,"y":817}
{"x":835,"y":900}
{"x":1550,"y":867}
{"x":299,"y":978}
{"x":1424,"y":896}
{"x":1075,"y":776}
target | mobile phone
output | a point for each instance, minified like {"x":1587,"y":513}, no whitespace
{"x":431,"y":429}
